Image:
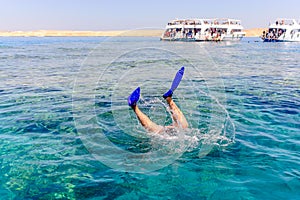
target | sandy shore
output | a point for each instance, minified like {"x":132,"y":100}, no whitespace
{"x":45,"y":33}
{"x":146,"y":33}
{"x":254,"y":32}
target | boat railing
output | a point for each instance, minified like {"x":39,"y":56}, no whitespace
{"x":285,"y":22}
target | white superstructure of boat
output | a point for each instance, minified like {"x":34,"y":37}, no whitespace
{"x":282,"y":30}
{"x":203,"y":30}
{"x":225,"y":29}
{"x":185,"y":29}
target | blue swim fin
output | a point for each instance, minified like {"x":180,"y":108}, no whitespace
{"x":134,"y":97}
{"x":175,"y":83}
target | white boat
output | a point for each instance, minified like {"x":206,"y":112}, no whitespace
{"x":225,"y":29}
{"x":184,"y":29}
{"x":203,"y":30}
{"x":282,"y":30}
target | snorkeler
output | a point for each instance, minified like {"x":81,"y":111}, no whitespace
{"x":179,"y":121}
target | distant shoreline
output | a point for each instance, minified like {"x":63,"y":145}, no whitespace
{"x":255,"y":32}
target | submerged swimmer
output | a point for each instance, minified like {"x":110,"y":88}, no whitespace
{"x":179,"y":121}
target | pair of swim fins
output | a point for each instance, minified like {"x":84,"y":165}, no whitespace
{"x":135,"y":95}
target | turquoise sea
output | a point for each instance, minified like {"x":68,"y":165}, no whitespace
{"x":66,"y":131}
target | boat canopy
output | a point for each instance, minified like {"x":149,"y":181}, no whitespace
{"x":225,"y":21}
{"x":284,"y":22}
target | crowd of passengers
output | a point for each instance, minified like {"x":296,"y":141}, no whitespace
{"x":272,"y":34}
{"x":211,"y":33}
{"x":199,"y":23}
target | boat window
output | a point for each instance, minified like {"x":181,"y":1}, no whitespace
{"x":295,"y":31}
{"x":222,"y":29}
{"x":284,"y":22}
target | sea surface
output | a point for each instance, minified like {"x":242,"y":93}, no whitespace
{"x":66,"y":131}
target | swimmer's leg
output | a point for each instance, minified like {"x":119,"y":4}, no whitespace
{"x":177,"y":116}
{"x":144,"y":119}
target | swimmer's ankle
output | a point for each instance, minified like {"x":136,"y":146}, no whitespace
{"x":169,"y":99}
{"x":169,"y":93}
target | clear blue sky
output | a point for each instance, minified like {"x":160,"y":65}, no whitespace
{"x":132,"y":14}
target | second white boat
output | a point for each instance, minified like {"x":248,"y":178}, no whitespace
{"x":219,"y":29}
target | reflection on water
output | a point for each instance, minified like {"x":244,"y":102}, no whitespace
{"x":246,"y":92}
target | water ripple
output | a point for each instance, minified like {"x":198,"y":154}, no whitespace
{"x":43,"y":157}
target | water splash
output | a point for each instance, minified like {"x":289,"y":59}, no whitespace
{"x":182,"y":140}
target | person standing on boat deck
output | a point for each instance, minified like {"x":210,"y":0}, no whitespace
{"x":263,"y":35}
{"x":271,"y":35}
{"x":179,"y":120}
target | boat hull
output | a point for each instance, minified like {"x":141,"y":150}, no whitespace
{"x":179,"y":39}
{"x":204,"y":38}
{"x":272,"y":40}
{"x":279,"y":40}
